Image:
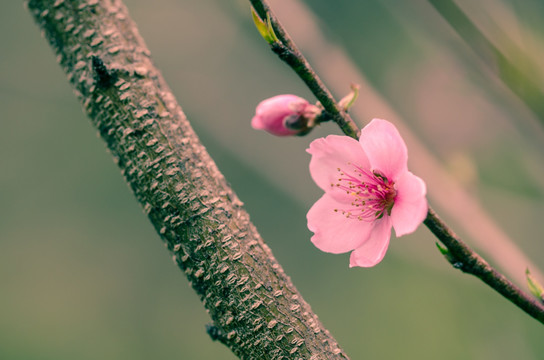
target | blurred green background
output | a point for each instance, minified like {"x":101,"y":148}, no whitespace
{"x":83,"y":275}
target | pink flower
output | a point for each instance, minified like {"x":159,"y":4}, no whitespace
{"x":284,"y":115}
{"x":368,"y":190}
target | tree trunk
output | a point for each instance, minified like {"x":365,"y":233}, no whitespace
{"x":256,"y":310}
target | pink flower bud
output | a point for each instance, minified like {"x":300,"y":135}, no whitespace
{"x":285,"y":115}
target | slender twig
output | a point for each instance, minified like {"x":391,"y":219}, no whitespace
{"x":460,"y":255}
{"x":290,"y":54}
{"x":510,"y":74}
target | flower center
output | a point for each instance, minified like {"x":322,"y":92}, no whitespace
{"x":372,"y":194}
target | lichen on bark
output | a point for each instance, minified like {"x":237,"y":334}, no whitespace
{"x":256,"y":310}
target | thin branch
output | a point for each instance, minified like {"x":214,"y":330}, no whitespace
{"x":289,"y":53}
{"x":510,"y":74}
{"x":462,"y":257}
{"x":458,"y":253}
{"x":256,"y":311}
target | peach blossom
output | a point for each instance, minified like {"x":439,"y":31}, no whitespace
{"x":368,"y":191}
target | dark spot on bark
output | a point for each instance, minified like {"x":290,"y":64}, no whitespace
{"x":103,"y":77}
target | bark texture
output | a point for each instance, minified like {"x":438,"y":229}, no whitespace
{"x":256,"y":310}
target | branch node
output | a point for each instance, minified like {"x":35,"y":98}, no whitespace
{"x":215,"y":333}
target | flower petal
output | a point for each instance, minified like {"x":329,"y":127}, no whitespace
{"x":331,"y":153}
{"x":333,"y":232}
{"x":410,"y":206}
{"x":372,"y":251}
{"x":257,"y":123}
{"x":384,"y":148}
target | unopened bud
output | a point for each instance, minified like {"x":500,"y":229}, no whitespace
{"x":285,"y":115}
{"x":264,"y":27}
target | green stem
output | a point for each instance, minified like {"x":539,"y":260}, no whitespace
{"x":510,"y":74}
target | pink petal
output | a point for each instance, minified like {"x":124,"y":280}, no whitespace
{"x":280,"y":106}
{"x":331,"y":153}
{"x":385,"y":148}
{"x":333,"y":232}
{"x":372,"y":251}
{"x":257,"y":123}
{"x":410,"y":208}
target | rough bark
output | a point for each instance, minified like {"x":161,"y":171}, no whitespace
{"x":256,"y":310}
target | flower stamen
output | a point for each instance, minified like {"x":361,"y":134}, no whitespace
{"x":373,"y":193}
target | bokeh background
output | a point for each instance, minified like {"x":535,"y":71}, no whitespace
{"x":83,"y":275}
